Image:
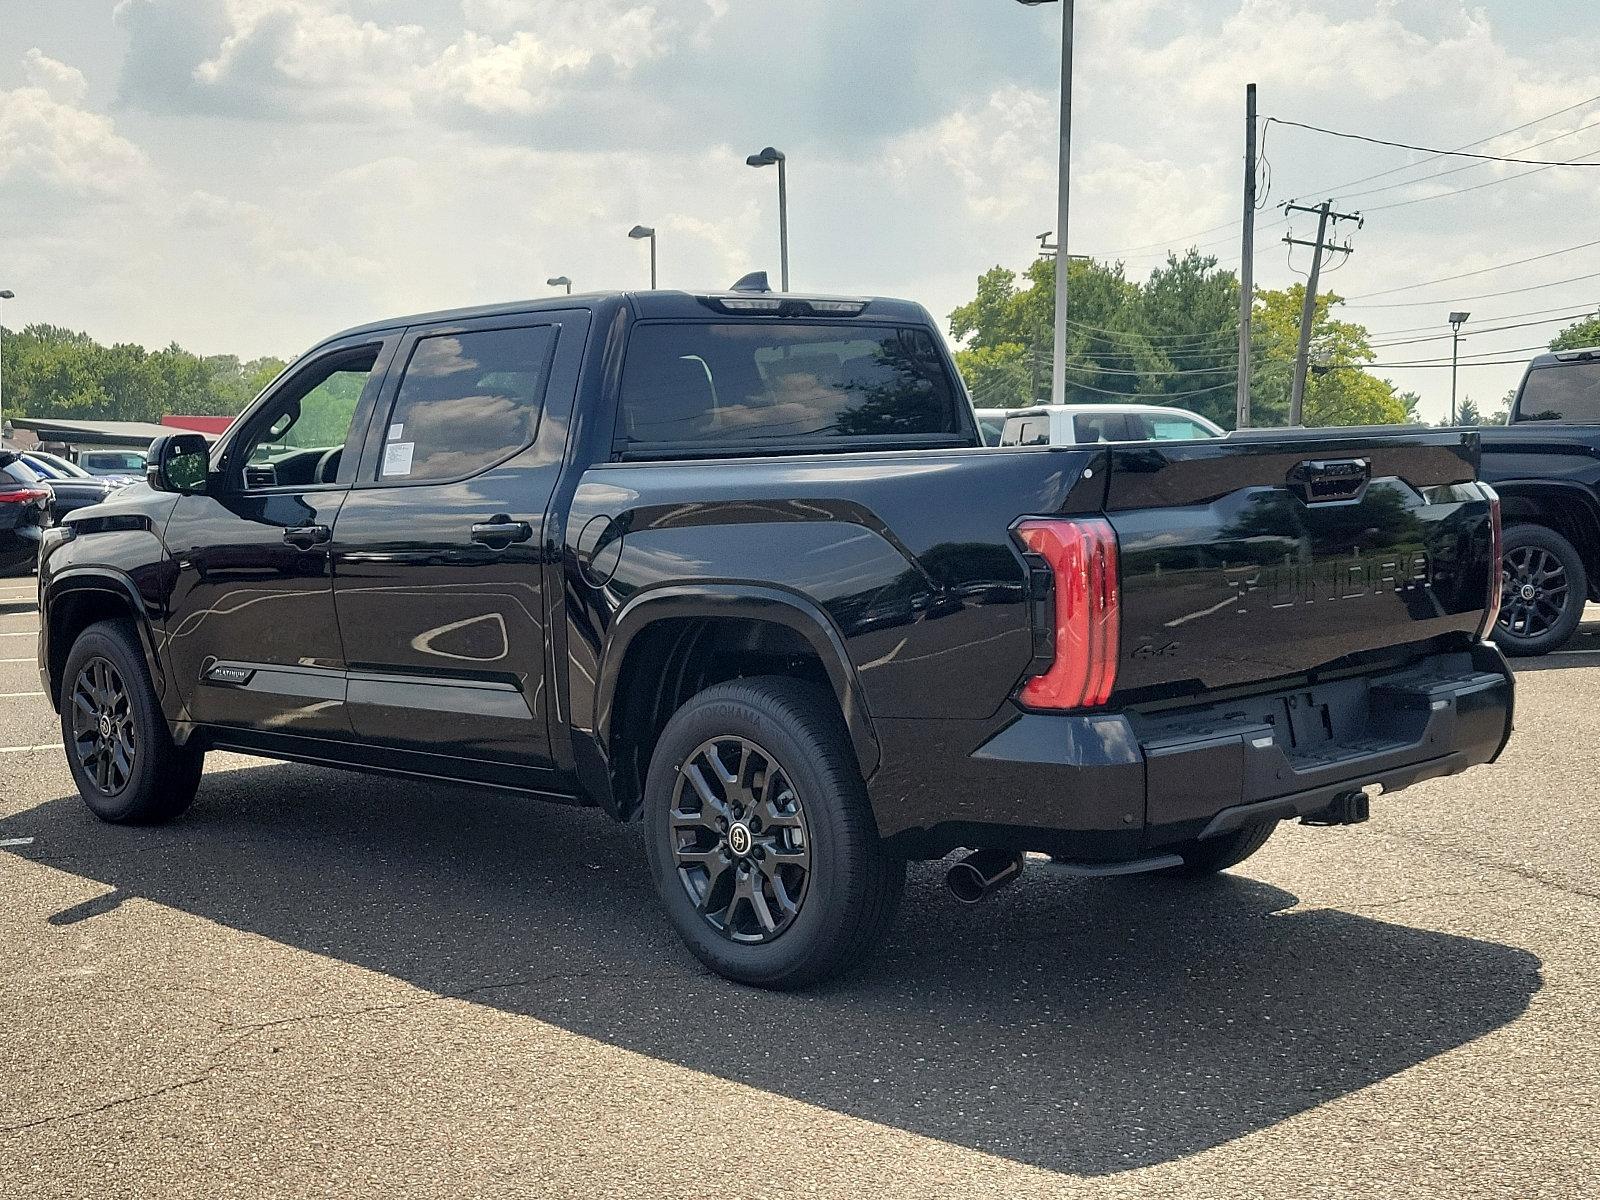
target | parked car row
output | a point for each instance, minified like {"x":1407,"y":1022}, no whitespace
{"x":38,"y":489}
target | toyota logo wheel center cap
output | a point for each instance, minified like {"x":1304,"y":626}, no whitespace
{"x":105,"y":726}
{"x":739,"y":839}
{"x":1527,"y":591}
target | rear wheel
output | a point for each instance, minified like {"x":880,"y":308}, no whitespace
{"x":1207,"y":856}
{"x":760,"y":837}
{"x":122,"y":755}
{"x":1543,"y":590}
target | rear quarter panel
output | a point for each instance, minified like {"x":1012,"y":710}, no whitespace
{"x":909,"y":555}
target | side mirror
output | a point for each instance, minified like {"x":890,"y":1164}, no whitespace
{"x":179,"y":462}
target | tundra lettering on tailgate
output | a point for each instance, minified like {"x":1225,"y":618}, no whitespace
{"x":1334,"y":579}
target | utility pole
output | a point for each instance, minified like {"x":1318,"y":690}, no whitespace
{"x":1247,"y":250}
{"x":1308,"y":311}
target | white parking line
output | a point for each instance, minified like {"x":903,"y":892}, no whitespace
{"x":26,"y":749}
{"x":18,"y":695}
{"x":24,"y":633}
{"x":29,"y":658}
{"x":16,"y":841}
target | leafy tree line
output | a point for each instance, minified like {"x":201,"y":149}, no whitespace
{"x":56,"y":372}
{"x":1172,"y":339}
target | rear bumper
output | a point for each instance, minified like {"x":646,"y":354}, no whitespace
{"x":1121,"y":786}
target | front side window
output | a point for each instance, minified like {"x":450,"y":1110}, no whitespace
{"x":468,"y":402}
{"x":1565,"y":392}
{"x":733,"y":384}
{"x":298,"y":438}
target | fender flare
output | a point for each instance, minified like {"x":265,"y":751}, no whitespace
{"x":75,"y":580}
{"x":756,"y":602}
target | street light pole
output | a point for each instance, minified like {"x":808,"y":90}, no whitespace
{"x":1457,"y":320}
{"x":5,"y":294}
{"x":1058,"y":370}
{"x":645,"y":231}
{"x":767,"y":158}
{"x":561,"y":281}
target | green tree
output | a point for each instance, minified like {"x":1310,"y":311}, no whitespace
{"x":1338,"y":391}
{"x":1579,"y":335}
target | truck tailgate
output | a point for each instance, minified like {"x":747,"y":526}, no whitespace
{"x":1248,"y":559}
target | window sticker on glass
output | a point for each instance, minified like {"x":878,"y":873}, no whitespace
{"x":397,"y":458}
{"x":396,"y":432}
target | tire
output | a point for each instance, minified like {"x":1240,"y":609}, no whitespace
{"x":1208,"y":856}
{"x":771,"y":756}
{"x":1544,"y":591}
{"x":120,"y":751}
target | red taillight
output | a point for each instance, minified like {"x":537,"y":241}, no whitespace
{"x":1497,"y":549}
{"x":22,"y":495}
{"x":1082,"y":555}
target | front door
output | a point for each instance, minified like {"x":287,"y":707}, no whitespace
{"x":439,"y":552}
{"x":251,"y":637}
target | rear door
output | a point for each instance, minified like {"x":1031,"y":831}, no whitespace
{"x":439,"y":551}
{"x":1244,"y":560}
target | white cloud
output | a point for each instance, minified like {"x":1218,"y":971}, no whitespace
{"x":51,"y":150}
{"x":60,"y":81}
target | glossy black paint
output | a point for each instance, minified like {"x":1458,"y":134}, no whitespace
{"x":1548,"y":473}
{"x":414,"y":639}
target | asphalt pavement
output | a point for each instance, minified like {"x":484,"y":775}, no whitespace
{"x":329,"y":984}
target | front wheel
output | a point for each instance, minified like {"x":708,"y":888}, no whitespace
{"x":760,"y":837}
{"x":1543,"y":591}
{"x":123,"y":758}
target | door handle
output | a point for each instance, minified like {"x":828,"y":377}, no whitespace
{"x":500,"y":532}
{"x":307,"y":536}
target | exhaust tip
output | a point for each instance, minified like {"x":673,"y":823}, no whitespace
{"x":981,"y":872}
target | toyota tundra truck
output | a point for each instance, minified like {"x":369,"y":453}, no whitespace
{"x":737,"y":567}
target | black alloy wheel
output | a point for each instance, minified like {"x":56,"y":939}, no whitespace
{"x":740,"y":841}
{"x":103,"y":731}
{"x":1535,"y":591}
{"x":1543,"y":588}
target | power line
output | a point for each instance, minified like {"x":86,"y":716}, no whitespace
{"x":1481,"y":271}
{"x":1361,"y":137}
{"x":1151,"y":396}
{"x":1478,"y":331}
{"x":1389,"y":187}
{"x":1478,"y":187}
{"x":1537,"y":287}
{"x":1337,"y":188}
{"x":1534,"y":312}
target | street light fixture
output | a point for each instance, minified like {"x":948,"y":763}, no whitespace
{"x":1457,"y":320}
{"x":767,"y":158}
{"x":1058,"y":372}
{"x":5,"y":294}
{"x":561,"y":281}
{"x":644,"y":231}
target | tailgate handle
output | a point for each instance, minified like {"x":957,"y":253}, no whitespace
{"x":1330,"y":480}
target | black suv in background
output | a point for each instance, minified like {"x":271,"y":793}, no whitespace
{"x":737,"y":567}
{"x":1546,"y":467}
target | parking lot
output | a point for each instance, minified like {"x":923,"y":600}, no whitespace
{"x":322,"y":983}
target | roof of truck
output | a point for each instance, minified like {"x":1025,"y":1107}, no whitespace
{"x":646,"y":304}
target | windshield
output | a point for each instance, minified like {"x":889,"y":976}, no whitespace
{"x":1562,"y":392}
{"x":58,"y":465}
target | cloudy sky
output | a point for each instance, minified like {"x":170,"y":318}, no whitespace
{"x":245,"y":176}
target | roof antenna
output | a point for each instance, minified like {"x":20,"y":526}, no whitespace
{"x":756,"y":281}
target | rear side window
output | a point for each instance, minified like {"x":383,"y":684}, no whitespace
{"x":467,"y":402}
{"x":1568,"y":392}
{"x":1026,"y":431}
{"x":711,"y":386}
{"x":1162,"y":427}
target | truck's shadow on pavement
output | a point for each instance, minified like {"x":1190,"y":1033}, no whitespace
{"x":1088,"y":1027}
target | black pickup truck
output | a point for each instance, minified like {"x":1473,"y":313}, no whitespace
{"x":737,"y":566}
{"x":1546,"y":468}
